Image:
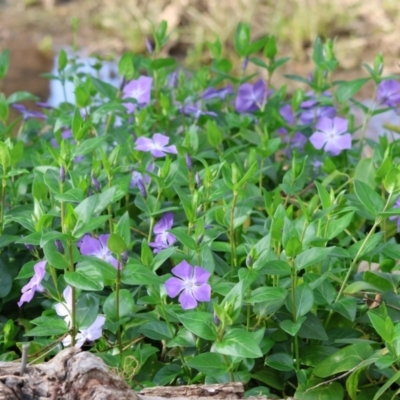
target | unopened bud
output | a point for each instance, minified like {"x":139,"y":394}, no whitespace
{"x":198,"y":180}
{"x":200,"y":239}
{"x":149,"y":46}
{"x":249,"y":260}
{"x":124,"y":257}
{"x":96,"y":183}
{"x":216,"y":320}
{"x":59,"y":246}
{"x":30,"y":247}
{"x":245,"y":62}
{"x":142,"y":188}
{"x":189,"y":162}
{"x":122,"y":84}
{"x":62,"y":174}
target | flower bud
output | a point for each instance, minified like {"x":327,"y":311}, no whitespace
{"x":96,"y":183}
{"x":249,"y":260}
{"x":30,"y":247}
{"x":200,"y":239}
{"x":216,"y":320}
{"x":198,"y":180}
{"x":124,"y":257}
{"x":142,"y":188}
{"x":149,"y":46}
{"x":62,"y":174}
{"x":189,"y":162}
{"x":59,"y":246}
{"x":245,"y":62}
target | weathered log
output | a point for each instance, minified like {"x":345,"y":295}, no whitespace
{"x":76,"y":375}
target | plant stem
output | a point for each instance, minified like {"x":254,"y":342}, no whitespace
{"x":232,"y":231}
{"x":117,"y":289}
{"x":73,"y":292}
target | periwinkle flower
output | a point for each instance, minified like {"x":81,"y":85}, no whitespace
{"x":90,"y":246}
{"x":95,"y":183}
{"x":62,"y":174}
{"x":191,"y":283}
{"x":250,"y":97}
{"x":195,"y":110}
{"x":287,"y":114}
{"x":26,"y":114}
{"x":198,"y":180}
{"x":312,"y":110}
{"x":91,"y":333}
{"x":59,"y":246}
{"x":221,"y":93}
{"x":149,"y":46}
{"x":140,"y":90}
{"x":388,"y":93}
{"x":157,"y":146}
{"x":163,"y":238}
{"x":331,"y":135}
{"x":35,"y":284}
{"x":396,"y":217}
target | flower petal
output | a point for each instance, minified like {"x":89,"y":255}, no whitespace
{"x":324,"y":124}
{"x":174,"y":286}
{"x":318,"y":140}
{"x":89,"y":246}
{"x":202,"y":292}
{"x":340,"y":125}
{"x":160,"y":139}
{"x":200,"y":275}
{"x":164,"y":223}
{"x":183,"y":270}
{"x":187,"y":300}
{"x":103,"y":240}
{"x":338,"y":143}
{"x":144,"y":144}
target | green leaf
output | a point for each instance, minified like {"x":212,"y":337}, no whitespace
{"x":331,"y":391}
{"x":160,"y":63}
{"x":4,"y":60}
{"x":87,"y":146}
{"x":156,"y":330}
{"x":85,"y":281}
{"x":292,"y":327}
{"x":312,"y":328}
{"x":346,"y":90}
{"x":239,"y":343}
{"x":54,"y":257}
{"x":116,"y":244}
{"x":104,"y":88}
{"x":369,"y":198}
{"x":312,"y":256}
{"x":381,"y":326}
{"x":242,"y":39}
{"x":214,"y":135}
{"x":126,"y":305}
{"x":386,"y":385}
{"x":123,"y":229}
{"x":209,"y":364}
{"x":161,"y":257}
{"x":126,"y":67}
{"x":87,"y":309}
{"x":344,"y":360}
{"x":107,"y":271}
{"x":51,"y":327}
{"x":323,"y":195}
{"x":273,"y":295}
{"x":200,"y":323}
{"x":337,"y":226}
{"x":138,"y":274}
{"x":304,"y":299}
{"x":62,"y":60}
{"x":366,"y":172}
{"x":16,"y":97}
{"x":346,"y":306}
{"x":280,"y":361}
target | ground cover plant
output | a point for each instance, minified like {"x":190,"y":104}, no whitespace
{"x":204,"y":227}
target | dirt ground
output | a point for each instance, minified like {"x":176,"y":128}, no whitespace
{"x":35,"y":29}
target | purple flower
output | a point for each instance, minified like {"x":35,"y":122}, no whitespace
{"x":91,"y":333}
{"x":331,"y":135}
{"x":251,"y":97}
{"x":149,"y":46}
{"x":221,"y":93}
{"x":97,"y":248}
{"x":26,"y":114}
{"x":138,"y":176}
{"x":163,"y":238}
{"x":67,"y":134}
{"x":191,"y":283}
{"x":287,"y":114}
{"x":172,"y":79}
{"x":195,"y":110}
{"x":35,"y":284}
{"x":140,"y":90}
{"x":157,"y":146}
{"x":142,"y":189}
{"x":388,"y":93}
{"x":311,"y":111}
{"x":396,"y":217}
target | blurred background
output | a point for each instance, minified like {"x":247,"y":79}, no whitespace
{"x":34,"y":30}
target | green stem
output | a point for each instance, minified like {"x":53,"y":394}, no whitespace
{"x":355,"y":260}
{"x":73,"y":291}
{"x":294,"y":314}
{"x":117,"y":290}
{"x":3,"y":201}
{"x":232,"y":230}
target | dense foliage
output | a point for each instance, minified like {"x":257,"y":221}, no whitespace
{"x":194,"y":226}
